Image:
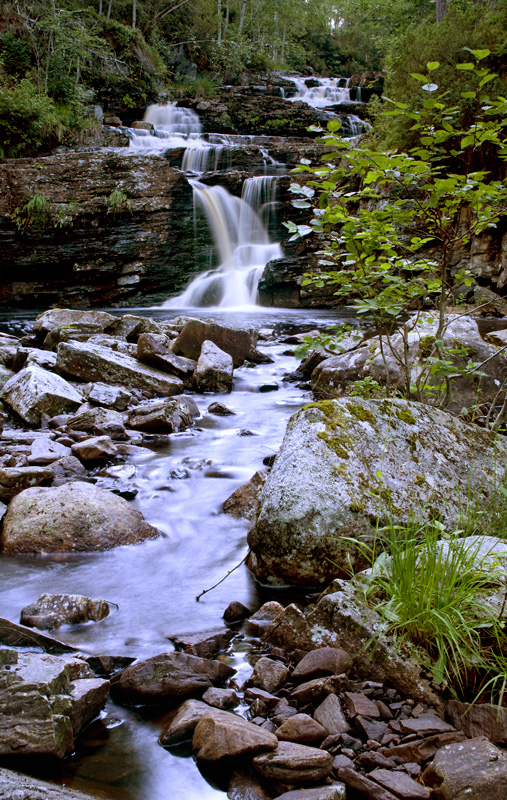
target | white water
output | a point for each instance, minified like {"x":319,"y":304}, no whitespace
{"x":242,"y":243}
{"x":329,"y":91}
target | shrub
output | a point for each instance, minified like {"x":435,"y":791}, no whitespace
{"x":28,"y":120}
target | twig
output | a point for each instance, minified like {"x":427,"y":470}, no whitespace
{"x":204,"y":591}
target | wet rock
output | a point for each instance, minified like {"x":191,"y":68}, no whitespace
{"x":295,"y":763}
{"x":14,"y":635}
{"x":358,"y":703}
{"x":334,"y":792}
{"x":400,"y":784}
{"x":237,"y":342}
{"x":268,"y":387}
{"x":51,"y":611}
{"x":97,"y":448}
{"x":88,"y":698}
{"x":76,"y":517}
{"x":221,"y":734}
{"x":35,"y":392}
{"x":92,"y":362}
{"x":162,"y":416}
{"x":68,"y":467}
{"x":475,"y":769}
{"x":155,"y":349}
{"x":205,"y":645}
{"x":302,"y":729}
{"x":491,"y":302}
{"x":220,"y":410}
{"x":320,"y":662}
{"x":221,"y":698}
{"x":479,"y":719}
{"x":98,"y":422}
{"x":115,"y":397}
{"x":258,"y":357}
{"x":425,"y":725}
{"x":182,"y":726}
{"x":45,"y":451}
{"x":107,"y":665}
{"x":265,"y":615}
{"x":330,"y":715}
{"x":244,"y":502}
{"x":236,"y":612}
{"x":168,"y":677}
{"x":366,"y":787}
{"x":323,"y":484}
{"x":244,"y":785}
{"x":214,"y":369}
{"x":23,"y":787}
{"x":318,"y":689}
{"x":14,"y":480}
{"x":39,"y":358}
{"x":58,"y":317}
{"x":269,"y":675}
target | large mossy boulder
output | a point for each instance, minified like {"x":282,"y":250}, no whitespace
{"x":345,"y":463}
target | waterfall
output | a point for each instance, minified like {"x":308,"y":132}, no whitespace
{"x":242,"y":243}
{"x":328,"y":91}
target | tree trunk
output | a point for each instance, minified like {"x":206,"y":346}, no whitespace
{"x":242,"y":16}
{"x":219,"y":36}
{"x":100,"y":8}
{"x":109,"y":7}
{"x":441,"y":9}
{"x":134,"y":10}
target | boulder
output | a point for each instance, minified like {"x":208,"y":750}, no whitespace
{"x":245,"y":785}
{"x":222,"y":734}
{"x":92,"y":362}
{"x":244,"y":502}
{"x":221,"y":698}
{"x":109,"y":396}
{"x":383,"y":361}
{"x":182,"y":726}
{"x":97,"y":448}
{"x":168,"y":677}
{"x":75,"y":518}
{"x":162,"y":416}
{"x":45,"y":451}
{"x":214,"y":369}
{"x":269,"y":675}
{"x":34,"y":393}
{"x":14,"y":480}
{"x":14,"y":635}
{"x":320,"y":662}
{"x":325,"y":488}
{"x":131,"y":326}
{"x":88,"y":696}
{"x":23,"y":787}
{"x":302,"y":729}
{"x":39,"y":358}
{"x":237,"y":342}
{"x":479,"y":719}
{"x":475,"y":769}
{"x":98,"y":422}
{"x":329,"y":714}
{"x":219,"y":410}
{"x":57,"y":317}
{"x":155,"y":349}
{"x":207,"y":644}
{"x":51,"y":611}
{"x":295,"y":763}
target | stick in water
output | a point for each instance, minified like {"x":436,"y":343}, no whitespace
{"x":204,"y":591}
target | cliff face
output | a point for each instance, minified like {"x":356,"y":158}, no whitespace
{"x":110,"y":252}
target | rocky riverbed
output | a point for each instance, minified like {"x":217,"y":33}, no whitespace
{"x":105,"y":651}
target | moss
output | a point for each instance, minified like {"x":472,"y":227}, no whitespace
{"x":412,"y":442}
{"x":356,"y":506}
{"x":420,"y":481}
{"x":426,"y":345}
{"x":334,"y":443}
{"x":405,"y":416}
{"x":359,"y":412}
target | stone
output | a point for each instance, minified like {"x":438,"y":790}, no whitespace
{"x":214,"y":370}
{"x":221,"y":698}
{"x":14,"y":786}
{"x":244,"y":785}
{"x":491,"y":302}
{"x":75,"y":518}
{"x":51,"y":611}
{"x":400,"y":784}
{"x":92,"y":362}
{"x":205,"y":645}
{"x":88,"y":697}
{"x":161,"y":416}
{"x":14,"y":635}
{"x":265,"y":615}
{"x":244,"y":502}
{"x":57,"y":317}
{"x":367,"y":789}
{"x":98,"y":422}
{"x":68,"y":467}
{"x":294,"y":763}
{"x":330,"y":715}
{"x":220,"y":410}
{"x":358,"y":703}
{"x":373,"y":730}
{"x":316,"y":690}
{"x":182,"y":726}
{"x":237,"y":342}
{"x":236,"y":612}
{"x":14,"y":480}
{"x":222,"y":734}
{"x":131,"y":326}
{"x":45,"y":451}
{"x":302,"y":729}
{"x":168,"y":677}
{"x":115,"y":397}
{"x":97,"y":448}
{"x":35,"y":392}
{"x":479,"y":719}
{"x":155,"y":349}
{"x":475,"y":769}
{"x":334,"y":792}
{"x":425,"y":725}
{"x":40,"y":358}
{"x":320,"y":662}
{"x":322,"y":488}
{"x":269,"y":675}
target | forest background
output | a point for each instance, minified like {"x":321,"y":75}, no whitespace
{"x":59,"y":59}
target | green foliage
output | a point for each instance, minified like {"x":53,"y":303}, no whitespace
{"x":40,"y":213}
{"x":14,"y":54}
{"x":28,"y":119}
{"x":389,"y":242}
{"x":118,"y":201}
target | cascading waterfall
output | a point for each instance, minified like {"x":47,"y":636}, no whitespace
{"x":328,"y":92}
{"x":242,"y":242}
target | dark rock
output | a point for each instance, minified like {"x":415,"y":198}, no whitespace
{"x":205,"y":645}
{"x":14,"y":635}
{"x":269,"y":675}
{"x":236,"y":612}
{"x":330,"y":715}
{"x":220,"y":410}
{"x":400,"y":785}
{"x":316,"y":690}
{"x":88,"y":697}
{"x":221,"y":734}
{"x":244,"y":785}
{"x":323,"y":661}
{"x":96,"y":448}
{"x":168,"y":677}
{"x":161,"y":416}
{"x":237,"y":342}
{"x":14,"y":480}
{"x":358,"y":703}
{"x":51,"y":611}
{"x":244,"y":502}
{"x":182,"y":726}
{"x":374,"y":730}
{"x":295,"y":763}
{"x":367,"y":788}
{"x":335,"y":792}
{"x":475,"y":769}
{"x":479,"y":719}
{"x":223,"y":699}
{"x":155,"y":349}
{"x":302,"y":729}
{"x":425,"y":725}
{"x":98,"y":422}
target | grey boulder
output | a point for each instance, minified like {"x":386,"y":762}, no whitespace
{"x":222,"y":734}
{"x":34,"y":393}
{"x":51,"y":611}
{"x":214,"y":370}
{"x":475,"y":769}
{"x":238,"y":342}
